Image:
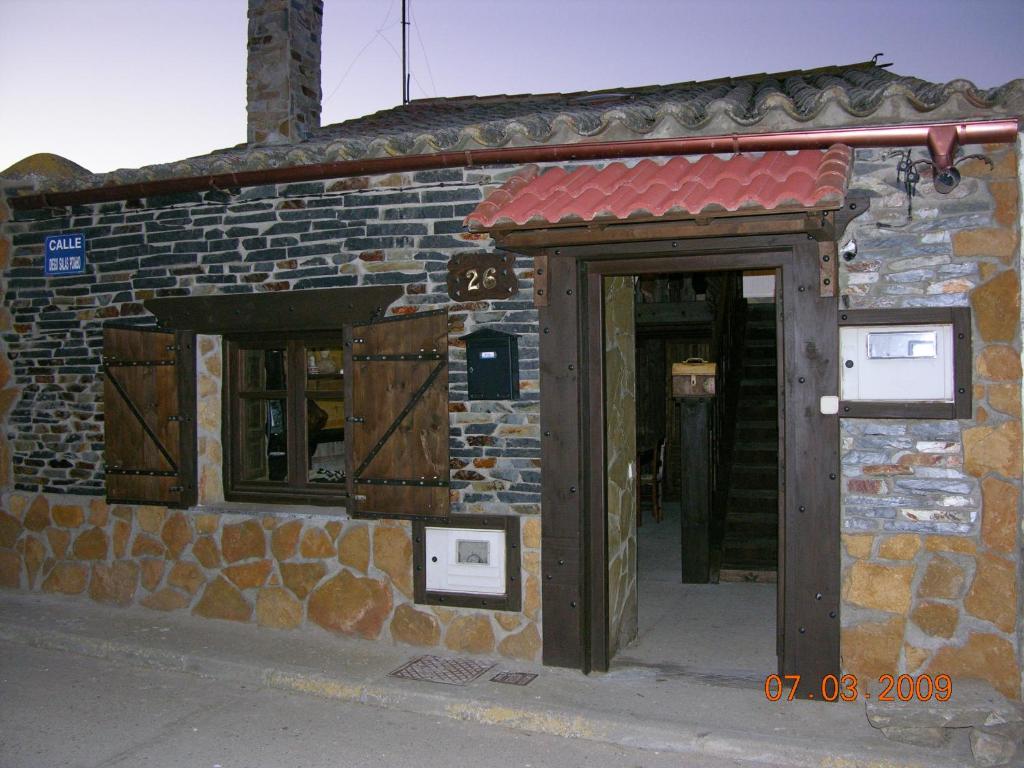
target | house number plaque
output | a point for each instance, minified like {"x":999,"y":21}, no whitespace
{"x":474,"y":276}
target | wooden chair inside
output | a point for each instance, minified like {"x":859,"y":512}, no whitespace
{"x":650,"y":467}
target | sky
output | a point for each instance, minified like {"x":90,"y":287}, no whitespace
{"x":125,"y":83}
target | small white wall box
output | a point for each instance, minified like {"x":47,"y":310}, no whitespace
{"x":468,"y":560}
{"x":906,"y":363}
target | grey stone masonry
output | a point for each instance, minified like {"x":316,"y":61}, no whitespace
{"x":400,"y":229}
{"x":283,"y":70}
{"x":909,"y":475}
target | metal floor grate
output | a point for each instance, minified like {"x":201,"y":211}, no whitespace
{"x":514,"y":678}
{"x":438,"y":669}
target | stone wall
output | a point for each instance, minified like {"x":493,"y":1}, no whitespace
{"x":931,"y":509}
{"x":283,"y":70}
{"x":274,"y":566}
{"x":620,"y":422}
{"x":278,"y":570}
{"x":399,"y":229}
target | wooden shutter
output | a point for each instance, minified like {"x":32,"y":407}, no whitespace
{"x":396,"y":408}
{"x":149,"y":416}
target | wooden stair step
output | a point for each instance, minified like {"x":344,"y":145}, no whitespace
{"x":760,"y":412}
{"x":769,"y":435}
{"x":762,"y":478}
{"x":764,"y":445}
{"x":754,"y":493}
{"x":756,"y":575}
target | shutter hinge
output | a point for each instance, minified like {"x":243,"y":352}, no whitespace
{"x":178,"y":417}
{"x":358,"y":341}
{"x":173,"y":348}
{"x":357,"y":497}
{"x":176,"y":488}
{"x":355,"y":419}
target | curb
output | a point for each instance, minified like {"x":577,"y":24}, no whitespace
{"x":658,"y":736}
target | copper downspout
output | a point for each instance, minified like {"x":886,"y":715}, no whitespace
{"x":942,"y":140}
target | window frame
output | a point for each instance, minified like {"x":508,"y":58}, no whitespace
{"x":296,"y":488}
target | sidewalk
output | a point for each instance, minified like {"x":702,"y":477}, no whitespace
{"x":632,"y":706}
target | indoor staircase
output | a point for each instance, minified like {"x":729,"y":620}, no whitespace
{"x":750,"y":544}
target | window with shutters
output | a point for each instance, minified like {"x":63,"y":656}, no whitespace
{"x":358,"y":418}
{"x":345,"y":414}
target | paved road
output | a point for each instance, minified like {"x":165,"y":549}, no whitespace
{"x":60,"y":709}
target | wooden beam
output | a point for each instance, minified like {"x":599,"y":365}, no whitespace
{"x":810,"y":222}
{"x":561,"y":524}
{"x":314,"y":310}
{"x":663,"y":313}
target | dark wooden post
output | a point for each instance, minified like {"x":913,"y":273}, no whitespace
{"x":695,"y":413}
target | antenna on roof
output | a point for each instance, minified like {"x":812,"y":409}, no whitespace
{"x":405,"y":59}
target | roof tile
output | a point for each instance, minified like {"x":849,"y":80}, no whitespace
{"x":677,"y":188}
{"x":827,"y":97}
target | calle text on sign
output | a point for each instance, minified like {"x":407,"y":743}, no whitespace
{"x":64,"y":254}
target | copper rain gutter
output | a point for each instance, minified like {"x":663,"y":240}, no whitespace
{"x":941,"y":139}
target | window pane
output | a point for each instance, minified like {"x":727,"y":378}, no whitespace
{"x":325,"y":431}
{"x":263,"y":369}
{"x":264,"y":440}
{"x":324,"y":368}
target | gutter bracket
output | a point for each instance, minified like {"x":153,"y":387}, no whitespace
{"x":943,"y":142}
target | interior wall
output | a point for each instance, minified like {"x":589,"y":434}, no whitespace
{"x":620,"y":423}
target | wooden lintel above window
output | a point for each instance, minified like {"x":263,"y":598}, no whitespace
{"x":313,"y":310}
{"x":819,"y":224}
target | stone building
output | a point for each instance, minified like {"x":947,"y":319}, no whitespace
{"x":238,"y":407}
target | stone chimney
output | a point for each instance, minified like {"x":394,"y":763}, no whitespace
{"x":283,"y":70}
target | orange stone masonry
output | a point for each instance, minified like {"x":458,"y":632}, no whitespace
{"x":280,"y":571}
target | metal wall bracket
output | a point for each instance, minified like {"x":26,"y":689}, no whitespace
{"x":541,"y":281}
{"x":858,"y":202}
{"x":827,"y":271}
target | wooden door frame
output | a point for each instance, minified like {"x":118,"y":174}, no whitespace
{"x":574,"y":536}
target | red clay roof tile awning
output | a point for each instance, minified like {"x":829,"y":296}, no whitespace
{"x":679,"y":188}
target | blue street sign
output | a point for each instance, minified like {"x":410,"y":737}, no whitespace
{"x":64,"y":254}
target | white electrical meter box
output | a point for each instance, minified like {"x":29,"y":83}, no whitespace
{"x":901,"y":363}
{"x":465,"y":560}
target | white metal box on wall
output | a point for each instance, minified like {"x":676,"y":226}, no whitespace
{"x":465,"y":560}
{"x":468,"y":560}
{"x":912,"y":363}
{"x":897,"y":362}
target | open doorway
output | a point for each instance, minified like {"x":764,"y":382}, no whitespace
{"x":584,"y":609}
{"x":701,"y":598}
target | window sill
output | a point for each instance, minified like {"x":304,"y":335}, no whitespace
{"x":257,"y":509}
